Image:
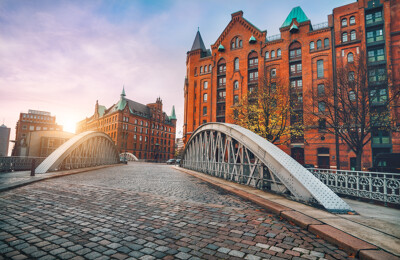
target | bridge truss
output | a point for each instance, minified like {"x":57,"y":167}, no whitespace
{"x":87,"y":149}
{"x":234,"y":153}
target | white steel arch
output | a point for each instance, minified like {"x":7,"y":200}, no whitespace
{"x":237,"y":154}
{"x":86,"y":149}
{"x":128,"y":156}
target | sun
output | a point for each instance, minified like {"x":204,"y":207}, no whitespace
{"x":69,"y":126}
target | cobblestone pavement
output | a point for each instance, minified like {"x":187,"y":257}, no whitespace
{"x":145,"y":211}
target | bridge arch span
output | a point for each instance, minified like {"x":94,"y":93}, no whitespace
{"x":86,"y":149}
{"x":129,"y":156}
{"x":237,"y":154}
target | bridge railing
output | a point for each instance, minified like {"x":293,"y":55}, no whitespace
{"x":18,"y":163}
{"x":379,"y":186}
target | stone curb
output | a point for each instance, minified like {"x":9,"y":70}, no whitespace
{"x":55,"y":175}
{"x":352,"y":245}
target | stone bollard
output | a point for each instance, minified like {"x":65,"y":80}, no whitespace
{"x":33,"y":167}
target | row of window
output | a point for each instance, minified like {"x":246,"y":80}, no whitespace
{"x":39,"y":128}
{"x":352,"y":21}
{"x":236,"y":43}
{"x":203,"y":69}
{"x":319,"y":44}
{"x":278,"y":54}
{"x":46,"y":118}
{"x":345,"y":38}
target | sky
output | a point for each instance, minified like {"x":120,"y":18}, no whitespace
{"x":62,"y":56}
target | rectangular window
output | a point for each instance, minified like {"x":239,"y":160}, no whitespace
{"x":375,"y":35}
{"x":377,"y":75}
{"x":221,"y":81}
{"x":31,"y":128}
{"x":374,"y":17}
{"x":235,"y":99}
{"x":320,"y":69}
{"x":378,"y":96}
{"x":321,"y":90}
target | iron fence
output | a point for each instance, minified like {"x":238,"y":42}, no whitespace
{"x":18,"y":163}
{"x":379,"y":186}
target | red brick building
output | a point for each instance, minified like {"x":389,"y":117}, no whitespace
{"x":307,"y":56}
{"x":143,"y":130}
{"x":32,"y":121}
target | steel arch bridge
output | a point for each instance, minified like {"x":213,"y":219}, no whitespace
{"x":234,"y":153}
{"x":86,"y":149}
{"x":128,"y":156}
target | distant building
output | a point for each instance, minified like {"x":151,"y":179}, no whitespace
{"x":4,"y":140}
{"x":179,"y":146}
{"x":43,"y":143}
{"x":143,"y":130}
{"x":32,"y":121}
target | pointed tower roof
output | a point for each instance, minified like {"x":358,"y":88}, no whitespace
{"x":172,"y":116}
{"x":296,"y":13}
{"x":123,"y":91}
{"x":198,"y":43}
{"x":122,"y":101}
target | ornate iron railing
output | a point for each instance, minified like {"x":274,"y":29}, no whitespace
{"x":273,"y":37}
{"x":320,"y":26}
{"x":236,"y":154}
{"x":377,"y":186}
{"x":18,"y":163}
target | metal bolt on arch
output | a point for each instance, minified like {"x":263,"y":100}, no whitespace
{"x":234,"y":153}
{"x":86,"y":149}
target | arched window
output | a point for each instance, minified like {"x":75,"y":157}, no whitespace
{"x":205,"y":84}
{"x":352,"y":35}
{"x":326,"y":43}
{"x":205,"y":97}
{"x":266,"y":55}
{"x":312,"y":46}
{"x":321,"y":107}
{"x":236,"y":43}
{"x":278,"y":53}
{"x":350,"y":57}
{"x":236,"y":64}
{"x":344,"y":22}
{"x":352,"y":20}
{"x":253,"y":59}
{"x":319,"y":44}
{"x":236,"y":84}
{"x":272,"y":54}
{"x":344,"y":37}
{"x":201,"y":69}
{"x":295,"y":50}
{"x":195,"y":71}
{"x":205,"y":69}
{"x":352,"y":95}
{"x":221,"y":66}
{"x":209,"y":68}
{"x":320,"y":68}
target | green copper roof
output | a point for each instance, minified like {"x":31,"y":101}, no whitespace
{"x":123,"y":91}
{"x":101,"y":110}
{"x":221,"y":47}
{"x":172,"y":116}
{"x":122,"y":101}
{"x":296,"y":13}
{"x":252,"y":39}
{"x":294,"y":28}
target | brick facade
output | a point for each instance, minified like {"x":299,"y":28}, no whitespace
{"x":303,"y":56}
{"x":29,"y":122}
{"x":143,"y":130}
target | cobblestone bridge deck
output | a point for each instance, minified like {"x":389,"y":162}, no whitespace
{"x":145,"y":211}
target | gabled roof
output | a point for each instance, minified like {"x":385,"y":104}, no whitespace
{"x":137,"y":107}
{"x":198,"y":43}
{"x":296,"y":13}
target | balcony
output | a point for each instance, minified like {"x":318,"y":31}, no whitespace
{"x":221,"y":99}
{"x":273,"y":38}
{"x":295,"y":74}
{"x":319,"y":26}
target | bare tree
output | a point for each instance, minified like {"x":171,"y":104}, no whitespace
{"x":360,"y":109}
{"x":266,"y":111}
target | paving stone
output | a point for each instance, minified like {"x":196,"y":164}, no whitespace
{"x":92,"y":255}
{"x":182,"y":255}
{"x":57,"y":251}
{"x":236,"y":253}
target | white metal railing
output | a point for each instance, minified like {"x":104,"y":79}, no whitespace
{"x":273,"y":37}
{"x":320,"y":26}
{"x":377,"y":186}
